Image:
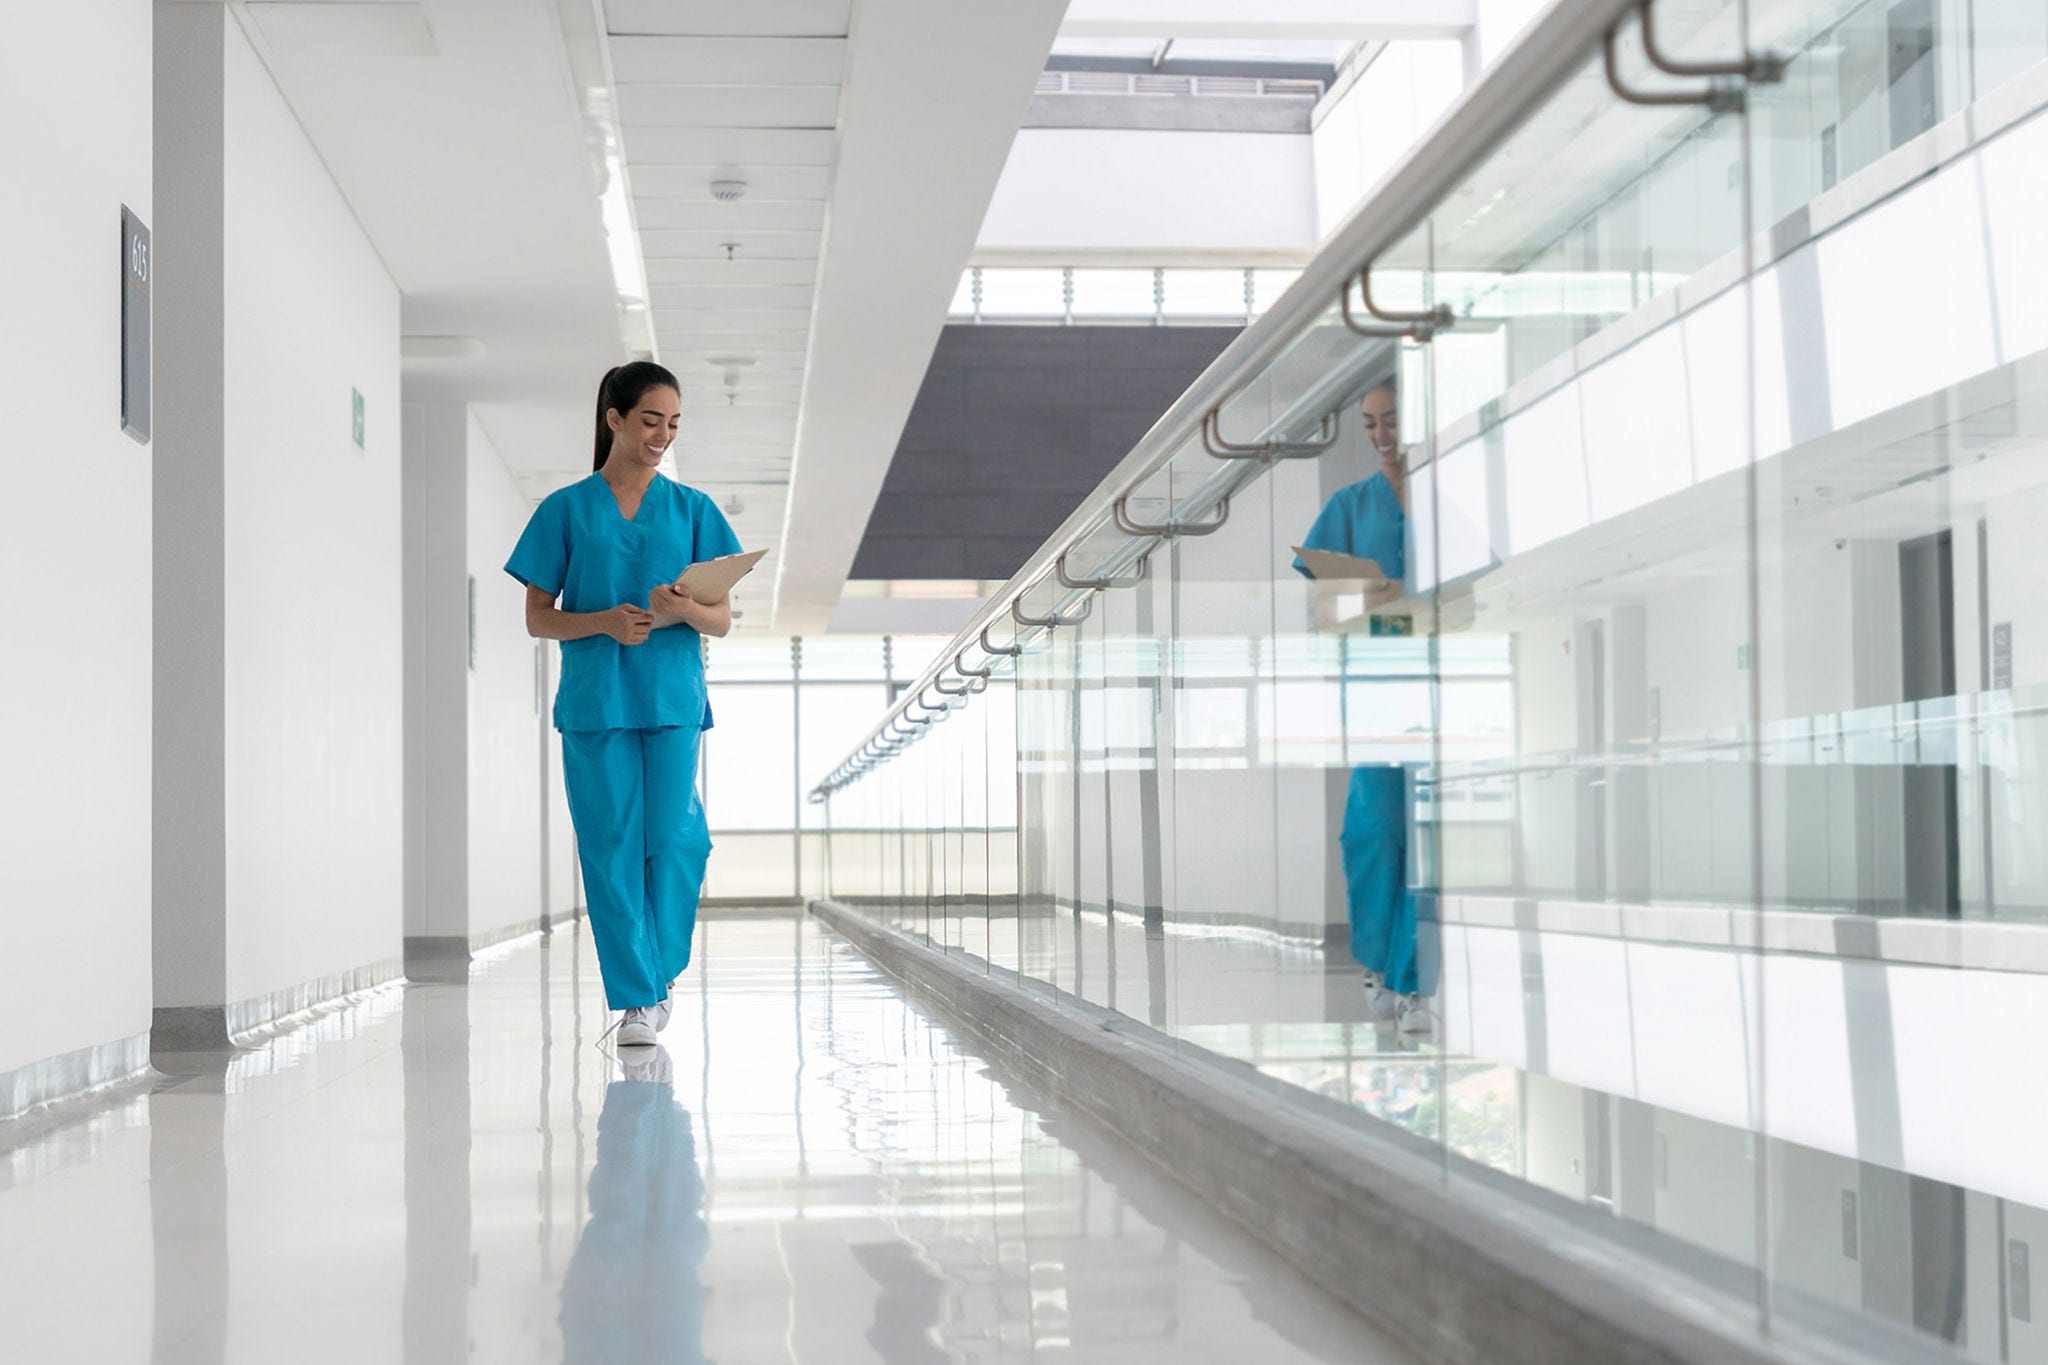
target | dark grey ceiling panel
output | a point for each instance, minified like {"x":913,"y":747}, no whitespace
{"x":1013,"y":427}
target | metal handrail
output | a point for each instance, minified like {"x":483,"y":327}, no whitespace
{"x":960,"y":667}
{"x":1728,"y":79}
{"x":1011,"y":651}
{"x":1548,"y":53}
{"x":1169,"y":528}
{"x":1022,"y":618}
{"x":1419,"y":325}
{"x":1098,"y":584}
{"x":1218,"y":448}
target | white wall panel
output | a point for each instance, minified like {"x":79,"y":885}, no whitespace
{"x":1108,"y":189}
{"x":312,"y":591}
{"x":75,"y":536}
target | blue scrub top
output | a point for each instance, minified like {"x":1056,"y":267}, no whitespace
{"x":1365,"y":520}
{"x":578,"y":548}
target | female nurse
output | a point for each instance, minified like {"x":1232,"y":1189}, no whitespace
{"x":598,"y":560}
{"x":1369,"y":519}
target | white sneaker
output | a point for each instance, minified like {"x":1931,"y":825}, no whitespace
{"x":1381,"y":1004}
{"x":666,"y":1008}
{"x":636,"y":1029}
{"x":1416,"y":1015}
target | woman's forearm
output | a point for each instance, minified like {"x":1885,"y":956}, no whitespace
{"x":714,"y":620}
{"x":552,"y":623}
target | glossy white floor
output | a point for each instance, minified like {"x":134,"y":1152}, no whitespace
{"x":807,"y":1170}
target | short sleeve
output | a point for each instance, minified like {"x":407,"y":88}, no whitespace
{"x":711,"y":535}
{"x":1332,"y":530}
{"x":541,"y":558}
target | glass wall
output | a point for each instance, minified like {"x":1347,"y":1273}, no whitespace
{"x":785,"y":712}
{"x":1591,"y":733}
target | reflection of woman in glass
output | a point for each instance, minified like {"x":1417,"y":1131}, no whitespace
{"x":1368,"y":520}
{"x":632,"y":1291}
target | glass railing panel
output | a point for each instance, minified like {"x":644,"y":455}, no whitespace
{"x":943,"y":741}
{"x":1579,"y":517}
{"x":1046,"y":723}
{"x":1709,"y":748}
{"x":1003,"y":922}
{"x":1221,"y":793}
{"x":1898,"y":489}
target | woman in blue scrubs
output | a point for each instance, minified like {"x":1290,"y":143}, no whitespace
{"x":598,"y":560}
{"x":1368,"y":520}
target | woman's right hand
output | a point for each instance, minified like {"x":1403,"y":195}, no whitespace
{"x":627,"y":623}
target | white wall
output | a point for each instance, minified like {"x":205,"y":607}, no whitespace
{"x":1111,"y":189}
{"x":1370,"y":126}
{"x":312,"y":592}
{"x":564,"y":876}
{"x":74,"y":533}
{"x":506,"y":727}
{"x":474,"y":733}
{"x":435,"y":479}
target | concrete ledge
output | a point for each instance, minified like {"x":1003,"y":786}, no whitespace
{"x":1460,"y":1273}
{"x":71,"y":1074}
{"x":199,"y":1028}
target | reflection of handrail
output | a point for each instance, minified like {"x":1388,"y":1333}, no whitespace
{"x":1546,"y":56}
{"x":1169,"y":529}
{"x":1213,"y":442}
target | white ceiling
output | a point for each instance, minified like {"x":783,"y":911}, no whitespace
{"x":519,"y":167}
{"x":749,"y":93}
{"x":454,"y":129}
{"x":934,"y":93}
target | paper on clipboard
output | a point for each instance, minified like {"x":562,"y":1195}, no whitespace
{"x":710,"y":581}
{"x":1329,"y":566}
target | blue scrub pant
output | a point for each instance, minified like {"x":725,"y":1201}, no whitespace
{"x":634,"y":1288}
{"x":1382,"y":907}
{"x":641,"y":833}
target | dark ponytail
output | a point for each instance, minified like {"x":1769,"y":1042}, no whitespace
{"x":621,"y":389}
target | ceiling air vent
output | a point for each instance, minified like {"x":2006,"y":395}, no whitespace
{"x":1162,"y":85}
{"x":1098,"y":82}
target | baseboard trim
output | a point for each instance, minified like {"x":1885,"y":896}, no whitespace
{"x":203,"y":1028}
{"x":72,"y":1074}
{"x":1460,"y":1274}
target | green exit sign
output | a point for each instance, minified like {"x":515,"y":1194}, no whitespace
{"x":356,"y":416}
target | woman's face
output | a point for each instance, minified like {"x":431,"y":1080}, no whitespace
{"x":642,"y":436}
{"x":1381,"y":427}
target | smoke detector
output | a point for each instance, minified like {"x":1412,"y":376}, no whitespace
{"x":725,"y":189}
{"x":731,"y":368}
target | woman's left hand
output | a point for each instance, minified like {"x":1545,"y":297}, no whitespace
{"x":671,"y":607}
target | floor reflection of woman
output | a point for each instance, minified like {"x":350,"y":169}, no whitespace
{"x":1368,"y":520}
{"x":632,"y":1292}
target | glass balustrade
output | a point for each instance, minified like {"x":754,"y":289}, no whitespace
{"x":1622,"y":640}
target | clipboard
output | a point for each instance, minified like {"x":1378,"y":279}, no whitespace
{"x":1328,"y":566}
{"x":710,"y":581}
